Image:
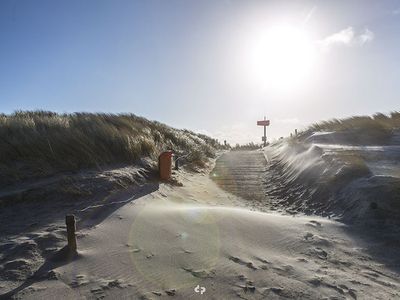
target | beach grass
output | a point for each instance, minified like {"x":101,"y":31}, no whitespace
{"x":41,"y":143}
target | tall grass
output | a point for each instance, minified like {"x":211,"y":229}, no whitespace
{"x":377,"y":120}
{"x":40,"y":143}
{"x":375,"y":129}
{"x":248,"y":146}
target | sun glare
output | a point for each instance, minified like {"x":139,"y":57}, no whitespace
{"x":281,"y":58}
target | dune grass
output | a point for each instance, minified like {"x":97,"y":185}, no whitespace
{"x":248,"y":146}
{"x":361,"y":129}
{"x":377,"y":120}
{"x":41,"y":143}
{"x":353,"y":166}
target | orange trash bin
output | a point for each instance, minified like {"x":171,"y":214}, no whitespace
{"x":165,"y":165}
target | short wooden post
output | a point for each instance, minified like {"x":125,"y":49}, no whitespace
{"x":70,"y":222}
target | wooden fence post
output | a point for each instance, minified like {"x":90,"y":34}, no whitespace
{"x":70,"y":222}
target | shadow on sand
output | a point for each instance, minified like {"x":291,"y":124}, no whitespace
{"x":88,"y":217}
{"x":60,"y":258}
{"x":380,"y":242}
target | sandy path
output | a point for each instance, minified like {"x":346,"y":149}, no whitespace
{"x":166,"y":243}
{"x":242,"y":173}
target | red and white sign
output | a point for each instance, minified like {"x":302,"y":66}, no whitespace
{"x":263,"y":123}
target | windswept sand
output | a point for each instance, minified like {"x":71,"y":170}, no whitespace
{"x":164,"y":244}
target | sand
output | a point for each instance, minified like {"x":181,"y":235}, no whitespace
{"x":174,"y":239}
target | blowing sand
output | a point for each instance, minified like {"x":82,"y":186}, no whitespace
{"x":168,"y":242}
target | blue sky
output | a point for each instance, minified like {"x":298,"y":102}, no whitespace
{"x":185,"y":62}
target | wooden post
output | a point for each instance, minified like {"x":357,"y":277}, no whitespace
{"x":70,"y":222}
{"x":265,"y":135}
{"x":265,"y":132}
{"x":264,"y":123}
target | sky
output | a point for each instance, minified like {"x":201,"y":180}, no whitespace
{"x":215,"y":67}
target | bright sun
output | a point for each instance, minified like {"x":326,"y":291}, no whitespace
{"x":281,"y":58}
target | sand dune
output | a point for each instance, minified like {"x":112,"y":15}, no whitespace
{"x":166,"y":243}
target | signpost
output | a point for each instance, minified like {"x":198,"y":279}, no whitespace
{"x":264,"y":123}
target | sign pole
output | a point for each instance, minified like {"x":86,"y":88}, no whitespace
{"x":265,"y":134}
{"x":264,"y":123}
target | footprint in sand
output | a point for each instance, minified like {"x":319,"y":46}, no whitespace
{"x":320,"y":241}
{"x":308,"y":235}
{"x":133,"y":250}
{"x":314,"y":224}
{"x":200,"y":273}
{"x":242,"y":277}
{"x":79,"y":280}
{"x":284,"y":270}
{"x":359,"y":283}
{"x":320,"y":253}
{"x":275,"y":290}
{"x":171,"y":292}
{"x":114,"y":283}
{"x":104,"y":284}
{"x":52,"y":275}
{"x":301,"y":259}
{"x":187,"y":251}
{"x":315,"y":281}
{"x":343,"y":289}
{"x":239,"y":261}
{"x":317,"y":240}
{"x":150,"y":255}
{"x":98,"y":292}
{"x":263,"y":260}
{"x":248,"y":288}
